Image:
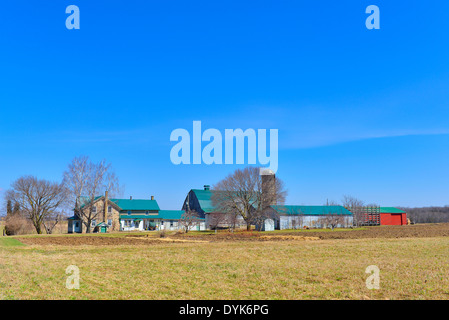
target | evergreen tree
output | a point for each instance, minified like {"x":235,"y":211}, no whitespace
{"x":8,"y":208}
{"x":16,"y":208}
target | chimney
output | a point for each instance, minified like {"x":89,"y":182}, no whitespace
{"x":105,"y":206}
{"x":206,"y":187}
{"x":130,"y":197}
{"x":152,"y":197}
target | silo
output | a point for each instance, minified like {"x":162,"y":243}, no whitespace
{"x":268,"y":187}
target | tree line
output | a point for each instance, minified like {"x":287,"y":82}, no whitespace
{"x":427,"y":214}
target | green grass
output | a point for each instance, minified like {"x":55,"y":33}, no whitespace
{"x":113,"y":234}
{"x":10,"y":242}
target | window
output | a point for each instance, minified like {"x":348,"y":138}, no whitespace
{"x":171,"y":223}
{"x":94,"y":209}
{"x":109,"y":209}
{"x":109,"y":222}
{"x":94,"y":223}
{"x":162,"y":222}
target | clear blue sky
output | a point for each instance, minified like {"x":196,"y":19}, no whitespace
{"x":360,"y":112}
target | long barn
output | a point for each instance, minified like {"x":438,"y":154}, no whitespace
{"x":283,"y":217}
{"x":297,"y":217}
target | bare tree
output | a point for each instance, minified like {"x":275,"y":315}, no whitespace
{"x":189,"y":219}
{"x":333,"y":220}
{"x":37,"y":199}
{"x":51,"y":220}
{"x":218,"y":219}
{"x":248,"y":194}
{"x":297,"y":221}
{"x":85,"y":181}
{"x":356,"y":206}
{"x":427,"y":214}
{"x":332,"y":217}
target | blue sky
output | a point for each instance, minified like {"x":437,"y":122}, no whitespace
{"x":360,"y":112}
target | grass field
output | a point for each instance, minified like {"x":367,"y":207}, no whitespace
{"x":410,"y":268}
{"x":10,"y":242}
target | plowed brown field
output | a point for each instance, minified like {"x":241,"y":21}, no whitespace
{"x":386,"y":232}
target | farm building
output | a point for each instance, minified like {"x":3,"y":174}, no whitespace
{"x":129,"y":214}
{"x":162,"y":220}
{"x":392,"y":216}
{"x":279,"y":217}
{"x":145,"y":214}
{"x":297,"y":217}
{"x":200,"y":200}
{"x":375,"y":216}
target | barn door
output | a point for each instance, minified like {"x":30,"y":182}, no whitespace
{"x":396,"y":219}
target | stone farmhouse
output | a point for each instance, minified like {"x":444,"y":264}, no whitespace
{"x":129,"y":215}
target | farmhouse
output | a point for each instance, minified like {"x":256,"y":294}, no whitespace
{"x":128,"y":215}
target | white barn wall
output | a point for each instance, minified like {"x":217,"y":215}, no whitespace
{"x":165,"y":226}
{"x":312,"y":221}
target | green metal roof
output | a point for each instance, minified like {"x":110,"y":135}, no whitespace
{"x":136,"y":204}
{"x":128,"y":204}
{"x":102,"y":224}
{"x":163,"y":214}
{"x":310,"y":210}
{"x":390,"y":210}
{"x":85,"y":200}
{"x":139,"y":216}
{"x":205,"y":199}
{"x":171,"y":214}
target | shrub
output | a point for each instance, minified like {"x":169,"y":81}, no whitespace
{"x":17,"y":225}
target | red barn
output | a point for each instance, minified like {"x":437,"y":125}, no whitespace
{"x":392,"y":216}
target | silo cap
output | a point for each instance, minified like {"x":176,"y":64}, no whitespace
{"x":266,"y":172}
